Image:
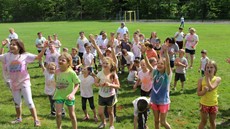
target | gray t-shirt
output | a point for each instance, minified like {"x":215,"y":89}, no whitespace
{"x":181,"y":69}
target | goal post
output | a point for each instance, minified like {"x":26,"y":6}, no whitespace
{"x":130,"y":14}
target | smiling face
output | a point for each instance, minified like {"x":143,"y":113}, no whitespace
{"x":161,"y":65}
{"x":14,"y":47}
{"x":143,"y":64}
{"x":51,"y":67}
{"x":64,"y":61}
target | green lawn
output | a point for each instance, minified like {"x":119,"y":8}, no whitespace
{"x":184,"y":110}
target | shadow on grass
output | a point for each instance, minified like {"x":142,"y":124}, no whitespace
{"x":37,"y":76}
{"x":225,"y":115}
{"x":187,"y":91}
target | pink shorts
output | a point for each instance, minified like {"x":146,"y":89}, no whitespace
{"x":208,"y":109}
{"x":162,"y":108}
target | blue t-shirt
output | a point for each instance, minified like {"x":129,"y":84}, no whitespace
{"x":161,"y":88}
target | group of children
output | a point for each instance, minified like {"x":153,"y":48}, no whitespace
{"x":150,"y":66}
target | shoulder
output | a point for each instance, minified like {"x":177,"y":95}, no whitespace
{"x":218,"y":79}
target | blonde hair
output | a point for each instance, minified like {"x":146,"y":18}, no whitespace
{"x":68,"y":57}
{"x":111,"y":63}
{"x":51,"y":64}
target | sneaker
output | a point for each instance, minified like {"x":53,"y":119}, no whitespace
{"x":101,"y":126}
{"x":111,"y":127}
{"x":16,"y":121}
{"x":181,"y":91}
{"x":63,"y":114}
{"x":37,"y":123}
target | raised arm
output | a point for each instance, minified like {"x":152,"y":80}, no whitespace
{"x":92,"y":40}
{"x":143,"y":51}
{"x":4,"y":42}
{"x":165,"y":50}
{"x":114,"y":57}
{"x":39,"y":56}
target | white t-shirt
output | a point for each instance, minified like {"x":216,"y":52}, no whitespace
{"x":122,"y":31}
{"x":180,"y":36}
{"x":135,"y":104}
{"x":40,"y":41}
{"x":129,"y":58}
{"x":81,"y":43}
{"x":13,"y":36}
{"x":57,"y":45}
{"x":88,"y":59}
{"x":86,"y":86}
{"x":203,"y":62}
{"x":16,"y":65}
{"x":50,"y":83}
{"x":106,"y":91}
{"x":136,"y":50}
{"x":52,"y":57}
{"x":146,"y":80}
{"x":103,"y":43}
{"x":131,"y":76}
{"x":191,"y":40}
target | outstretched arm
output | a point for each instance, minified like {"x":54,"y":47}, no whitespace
{"x":92,"y":40}
{"x":168,"y":69}
{"x":4,"y":42}
{"x":143,"y":51}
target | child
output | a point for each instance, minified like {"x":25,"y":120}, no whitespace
{"x":150,"y":51}
{"x":65,"y":49}
{"x":136,"y":47}
{"x":67,"y":83}
{"x":107,"y":93}
{"x":157,"y":47}
{"x":179,"y":36}
{"x":141,"y":106}
{"x":160,"y":100}
{"x":181,"y":64}
{"x":132,"y":75}
{"x":76,"y":60}
{"x":203,"y":61}
{"x":86,"y":89}
{"x":88,"y":56}
{"x":144,"y":77}
{"x":16,"y":61}
{"x":57,"y":43}
{"x":52,"y":55}
{"x":50,"y":84}
{"x":207,"y":89}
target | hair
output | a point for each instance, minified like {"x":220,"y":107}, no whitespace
{"x":51,"y":64}
{"x":101,"y":32}
{"x":136,"y":61}
{"x":20,"y":45}
{"x":158,"y":40}
{"x":212,"y":62}
{"x":204,"y":51}
{"x":134,"y":68}
{"x":11,"y":29}
{"x":111,"y":63}
{"x":81,"y":32}
{"x":147,"y":44}
{"x":65,"y":49}
{"x":152,"y":59}
{"x":171,"y":40}
{"x":142,"y":105}
{"x":68,"y":57}
{"x":180,"y":28}
{"x":39,"y":33}
{"x":74,"y":48}
{"x":86,"y":45}
{"x":124,"y":51}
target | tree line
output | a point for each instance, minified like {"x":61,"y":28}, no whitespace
{"x":61,"y":10}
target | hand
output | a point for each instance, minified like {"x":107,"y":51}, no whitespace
{"x":46,"y":44}
{"x":4,"y":42}
{"x":206,"y":88}
{"x":91,"y":38}
{"x":70,"y":97}
{"x":107,"y":84}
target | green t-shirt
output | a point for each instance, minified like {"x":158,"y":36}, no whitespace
{"x":65,"y":82}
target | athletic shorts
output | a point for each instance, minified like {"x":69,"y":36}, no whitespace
{"x":109,"y":101}
{"x":162,"y":108}
{"x":180,"y":76}
{"x":67,"y":102}
{"x":191,"y":52}
{"x":209,"y":109}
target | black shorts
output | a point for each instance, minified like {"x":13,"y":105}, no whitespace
{"x":171,"y":63}
{"x":191,"y":52}
{"x":180,"y":76}
{"x":123,"y":61}
{"x":180,"y":44}
{"x":110,"y":101}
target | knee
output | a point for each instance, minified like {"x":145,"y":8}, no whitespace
{"x":92,"y":106}
{"x":204,"y":121}
{"x":156,"y":121}
{"x":72,"y":116}
{"x":212,"y":123}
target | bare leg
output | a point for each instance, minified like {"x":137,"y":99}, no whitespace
{"x":19,"y":112}
{"x":203,"y":122}
{"x":164,"y":121}
{"x":101,"y":114}
{"x":72,"y":117}
{"x":212,"y":120}
{"x":58,"y":115}
{"x":111,"y":115}
{"x":156,"y":119}
{"x":34,"y":113}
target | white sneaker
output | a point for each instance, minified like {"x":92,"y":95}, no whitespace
{"x":16,"y":121}
{"x":111,"y":127}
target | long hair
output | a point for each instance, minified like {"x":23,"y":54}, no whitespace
{"x":20,"y":45}
{"x":68,"y":58}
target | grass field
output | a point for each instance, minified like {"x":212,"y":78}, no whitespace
{"x":184,"y":110}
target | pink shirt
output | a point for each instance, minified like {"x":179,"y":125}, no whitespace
{"x":146,"y":80}
{"x":151,"y":53}
{"x":16,"y":65}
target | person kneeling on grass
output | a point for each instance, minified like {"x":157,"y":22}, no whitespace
{"x":141,"y":106}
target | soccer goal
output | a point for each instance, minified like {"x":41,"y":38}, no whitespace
{"x":131,"y":15}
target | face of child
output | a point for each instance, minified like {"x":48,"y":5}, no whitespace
{"x":106,"y":64}
{"x":181,"y":53}
{"x":74,"y":51}
{"x":51,"y":47}
{"x":203,"y":54}
{"x":14,"y":47}
{"x":143,"y":65}
{"x":210,"y":68}
{"x":87,"y":49}
{"x":85,"y":71}
{"x":63,"y":63}
{"x":160,"y":65}
{"x":51,"y":69}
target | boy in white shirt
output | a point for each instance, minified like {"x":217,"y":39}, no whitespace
{"x":88,"y":57}
{"x":129,"y":57}
{"x":141,"y":106}
{"x":136,"y":47}
{"x":203,"y":60}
